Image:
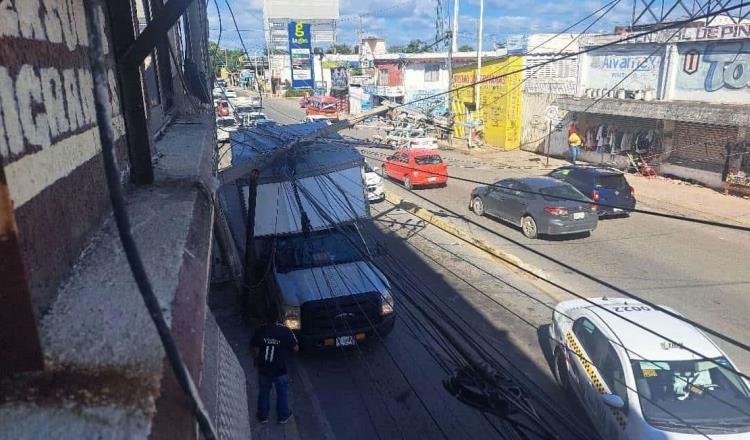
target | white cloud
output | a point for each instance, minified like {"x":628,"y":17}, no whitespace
{"x":399,"y":21}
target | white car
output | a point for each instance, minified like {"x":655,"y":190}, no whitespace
{"x":423,"y":143}
{"x":651,"y":389}
{"x":318,"y":118}
{"x":225,"y":125}
{"x":374,"y":184}
{"x":219,"y":92}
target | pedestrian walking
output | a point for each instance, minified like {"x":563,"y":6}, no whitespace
{"x":574,"y":145}
{"x":271,"y":345}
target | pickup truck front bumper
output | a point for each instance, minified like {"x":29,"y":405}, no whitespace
{"x":360,"y":334}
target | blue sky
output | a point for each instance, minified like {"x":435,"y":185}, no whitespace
{"x":399,"y":21}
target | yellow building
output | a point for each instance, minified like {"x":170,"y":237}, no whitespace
{"x":500,"y":101}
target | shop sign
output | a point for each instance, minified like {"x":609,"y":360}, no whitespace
{"x":300,"y":53}
{"x":715,"y":72}
{"x":706,"y":33}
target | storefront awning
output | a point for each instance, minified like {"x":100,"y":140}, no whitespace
{"x":684,"y":111}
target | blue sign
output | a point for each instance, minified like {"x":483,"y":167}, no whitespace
{"x":300,"y":53}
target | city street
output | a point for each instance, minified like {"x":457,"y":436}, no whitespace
{"x":399,"y":382}
{"x":695,"y":269}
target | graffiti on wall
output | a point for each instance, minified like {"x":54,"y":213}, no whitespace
{"x":554,"y":88}
{"x":715,"y":71}
{"x":47,"y":118}
{"x":426,"y":102}
{"x":500,"y":109}
{"x":607,"y":70}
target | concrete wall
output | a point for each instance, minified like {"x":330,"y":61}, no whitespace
{"x":611,"y":67}
{"x":49,"y":141}
{"x":716,"y":72}
{"x":416,"y":87}
{"x":501,"y":101}
{"x":534,"y":126}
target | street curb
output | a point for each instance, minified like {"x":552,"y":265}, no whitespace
{"x":468,"y":237}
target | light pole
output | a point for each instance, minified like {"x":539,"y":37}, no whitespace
{"x":454,"y":39}
{"x":478,"y":87}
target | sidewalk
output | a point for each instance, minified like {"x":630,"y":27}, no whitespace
{"x":657,"y":193}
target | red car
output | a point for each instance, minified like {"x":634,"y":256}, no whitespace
{"x":415,"y":167}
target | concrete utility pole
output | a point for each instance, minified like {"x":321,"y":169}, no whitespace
{"x":454,"y":39}
{"x":480,"y":33}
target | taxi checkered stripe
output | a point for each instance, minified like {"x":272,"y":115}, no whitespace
{"x":589,"y":367}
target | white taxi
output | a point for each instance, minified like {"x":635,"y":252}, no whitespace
{"x":636,"y":385}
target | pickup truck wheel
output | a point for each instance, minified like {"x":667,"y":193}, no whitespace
{"x":407,"y":182}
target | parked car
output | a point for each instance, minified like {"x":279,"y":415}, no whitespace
{"x":415,"y":167}
{"x":373,"y":183}
{"x":224,"y":126}
{"x":425,"y":143}
{"x":251,"y":119}
{"x":636,"y":385}
{"x":318,"y":118}
{"x":533,"y":203}
{"x":229,"y":93}
{"x":605,"y":186}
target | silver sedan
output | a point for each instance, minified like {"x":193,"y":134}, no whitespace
{"x":539,"y":205}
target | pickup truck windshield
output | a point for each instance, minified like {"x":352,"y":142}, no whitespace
{"x":319,"y":249}
{"x":696,"y":392}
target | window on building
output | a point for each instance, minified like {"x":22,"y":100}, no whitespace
{"x":432,"y":73}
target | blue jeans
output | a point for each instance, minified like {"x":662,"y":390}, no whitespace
{"x":574,"y":154}
{"x":282,"y":396}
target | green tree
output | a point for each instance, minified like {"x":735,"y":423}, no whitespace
{"x":414,"y":46}
{"x":342,"y":48}
{"x":224,"y":57}
{"x":465,"y":48}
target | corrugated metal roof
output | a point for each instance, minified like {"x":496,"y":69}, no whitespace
{"x":339,"y":195}
{"x":328,"y":175}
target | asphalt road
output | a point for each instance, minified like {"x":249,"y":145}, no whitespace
{"x":699,"y":270}
{"x":394,"y":389}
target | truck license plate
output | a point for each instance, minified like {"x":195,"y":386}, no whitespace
{"x":431,"y":179}
{"x":578,"y":215}
{"x":343,"y":341}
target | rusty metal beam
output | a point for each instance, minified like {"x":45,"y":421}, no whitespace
{"x":156,"y":30}
{"x":131,"y":93}
{"x":20,"y":349}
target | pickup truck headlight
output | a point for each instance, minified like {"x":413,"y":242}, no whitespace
{"x":386,"y":307}
{"x":291,"y":318}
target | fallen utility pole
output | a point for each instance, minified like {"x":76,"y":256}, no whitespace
{"x":243,"y":169}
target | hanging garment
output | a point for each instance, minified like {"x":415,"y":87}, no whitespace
{"x":600,"y":138}
{"x":618,"y":141}
{"x":625,"y":141}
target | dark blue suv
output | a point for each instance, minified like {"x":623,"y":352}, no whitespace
{"x":605,"y":186}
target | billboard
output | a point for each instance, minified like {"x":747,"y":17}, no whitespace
{"x":339,"y":80}
{"x":300,"y":53}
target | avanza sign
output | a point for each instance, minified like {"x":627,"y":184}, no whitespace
{"x":706,"y":33}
